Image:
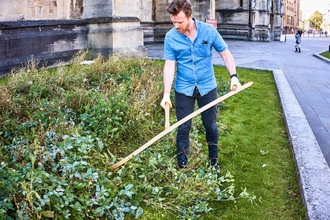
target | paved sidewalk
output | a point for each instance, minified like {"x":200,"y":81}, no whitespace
{"x":303,"y":82}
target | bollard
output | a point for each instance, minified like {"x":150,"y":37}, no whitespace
{"x":329,"y":48}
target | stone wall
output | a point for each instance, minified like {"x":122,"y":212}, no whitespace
{"x":20,"y":10}
{"x":158,"y":23}
{"x":256,"y":20}
{"x":48,"y":42}
{"x":52,"y":31}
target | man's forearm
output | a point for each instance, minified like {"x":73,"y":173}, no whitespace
{"x":167,"y":85}
{"x":168,"y":75}
{"x":229,"y":61}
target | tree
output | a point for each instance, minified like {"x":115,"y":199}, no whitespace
{"x":315,"y":20}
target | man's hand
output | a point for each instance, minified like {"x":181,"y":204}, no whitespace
{"x":234,"y":83}
{"x":166,"y":99}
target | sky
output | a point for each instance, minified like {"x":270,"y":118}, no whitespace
{"x":308,"y":7}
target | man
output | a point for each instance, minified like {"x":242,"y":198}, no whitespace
{"x":188,"y":52}
{"x":298,"y":40}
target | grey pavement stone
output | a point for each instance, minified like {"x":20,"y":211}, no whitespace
{"x":313,"y":170}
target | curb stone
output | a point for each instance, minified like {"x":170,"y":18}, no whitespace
{"x":313,"y":170}
{"x":322,"y":57}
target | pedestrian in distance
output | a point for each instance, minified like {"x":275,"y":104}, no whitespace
{"x":298,"y":40}
{"x":188,"y":61}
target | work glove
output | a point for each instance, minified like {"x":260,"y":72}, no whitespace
{"x":234,"y":84}
{"x":166,"y":99}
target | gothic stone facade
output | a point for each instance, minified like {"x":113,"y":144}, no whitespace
{"x":256,"y":20}
{"x":52,"y":31}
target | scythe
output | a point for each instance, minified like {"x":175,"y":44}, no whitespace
{"x":177,"y":124}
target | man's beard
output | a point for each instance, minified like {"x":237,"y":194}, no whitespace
{"x":183,"y":29}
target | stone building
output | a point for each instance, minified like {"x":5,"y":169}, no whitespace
{"x":52,"y":31}
{"x":292,"y":19}
{"x":326,"y":19}
{"x":256,"y":20}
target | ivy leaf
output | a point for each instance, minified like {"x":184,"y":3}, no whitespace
{"x":47,"y":214}
{"x":138,"y":212}
{"x":127,"y":191}
{"x":129,"y":194}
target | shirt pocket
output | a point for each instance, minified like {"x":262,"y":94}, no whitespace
{"x":203,"y":50}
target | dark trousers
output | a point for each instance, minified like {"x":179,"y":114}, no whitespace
{"x":184,"y":106}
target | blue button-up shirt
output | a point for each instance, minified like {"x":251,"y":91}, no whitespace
{"x":194,"y":59}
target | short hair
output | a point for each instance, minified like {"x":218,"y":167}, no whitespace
{"x":177,"y":6}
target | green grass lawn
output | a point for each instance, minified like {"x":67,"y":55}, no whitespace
{"x":326,"y":54}
{"x":258,"y":154}
{"x":254,"y":148}
{"x":62,"y":129}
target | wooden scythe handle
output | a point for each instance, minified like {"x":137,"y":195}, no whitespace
{"x":177,"y":124}
{"x":167,"y":115}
